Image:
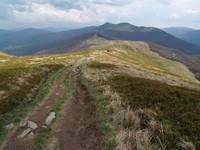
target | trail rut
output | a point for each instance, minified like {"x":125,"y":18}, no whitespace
{"x":77,"y":127}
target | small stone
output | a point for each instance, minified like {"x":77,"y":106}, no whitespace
{"x":50,"y":118}
{"x":23,"y":124}
{"x":31,"y":134}
{"x":44,"y":126}
{"x":9,"y":126}
{"x":32,"y":125}
{"x":57,"y":94}
{"x":24,"y":133}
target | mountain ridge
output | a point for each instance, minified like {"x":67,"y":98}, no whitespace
{"x":188,"y":34}
{"x":34,"y":43}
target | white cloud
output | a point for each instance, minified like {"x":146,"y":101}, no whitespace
{"x":46,"y":14}
{"x":86,"y":12}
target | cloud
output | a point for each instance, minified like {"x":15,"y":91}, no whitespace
{"x":47,"y":14}
{"x":4,"y":12}
{"x":113,"y":2}
{"x":76,"y":13}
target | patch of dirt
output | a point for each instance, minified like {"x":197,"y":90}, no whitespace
{"x":38,"y":116}
{"x":77,"y":127}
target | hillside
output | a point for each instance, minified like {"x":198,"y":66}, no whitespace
{"x":57,"y":42}
{"x":192,"y":37}
{"x":191,"y":62}
{"x":111,"y":95}
{"x":187,"y":34}
{"x":178,"y":31}
{"x":4,"y":33}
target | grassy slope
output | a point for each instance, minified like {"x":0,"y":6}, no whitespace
{"x":136,"y":59}
{"x":176,"y":108}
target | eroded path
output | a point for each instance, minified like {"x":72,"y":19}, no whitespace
{"x":77,"y":127}
{"x":38,"y":116}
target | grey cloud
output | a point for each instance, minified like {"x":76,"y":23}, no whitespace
{"x":13,"y":2}
{"x":113,"y":2}
{"x":5,"y":11}
{"x":61,"y":4}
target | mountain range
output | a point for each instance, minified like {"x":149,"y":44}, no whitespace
{"x":40,"y":41}
{"x":187,"y":34}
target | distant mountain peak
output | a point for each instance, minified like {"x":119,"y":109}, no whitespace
{"x":127,"y":27}
{"x":120,"y":27}
{"x":178,"y":31}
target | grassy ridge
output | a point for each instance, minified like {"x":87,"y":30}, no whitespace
{"x":138,"y":53}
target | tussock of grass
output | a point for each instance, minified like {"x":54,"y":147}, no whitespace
{"x":133,"y":127}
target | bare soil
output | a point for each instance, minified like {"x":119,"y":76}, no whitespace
{"x":77,"y":127}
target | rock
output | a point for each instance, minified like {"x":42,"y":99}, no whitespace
{"x":31,"y":134}
{"x":32,"y":125}
{"x":50,"y":118}
{"x":44,"y":126}
{"x":24,"y":133}
{"x":57,"y":93}
{"x":23,"y":124}
{"x":9,"y":126}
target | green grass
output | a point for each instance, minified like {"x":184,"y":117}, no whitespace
{"x":20,"y":111}
{"x":43,"y":135}
{"x":20,"y":84}
{"x":67,"y":96}
{"x":177,"y":108}
{"x":41,"y":138}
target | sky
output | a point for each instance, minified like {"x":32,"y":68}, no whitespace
{"x":79,"y":13}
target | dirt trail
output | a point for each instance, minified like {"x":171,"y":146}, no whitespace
{"x":38,"y":116}
{"x":77,"y":126}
